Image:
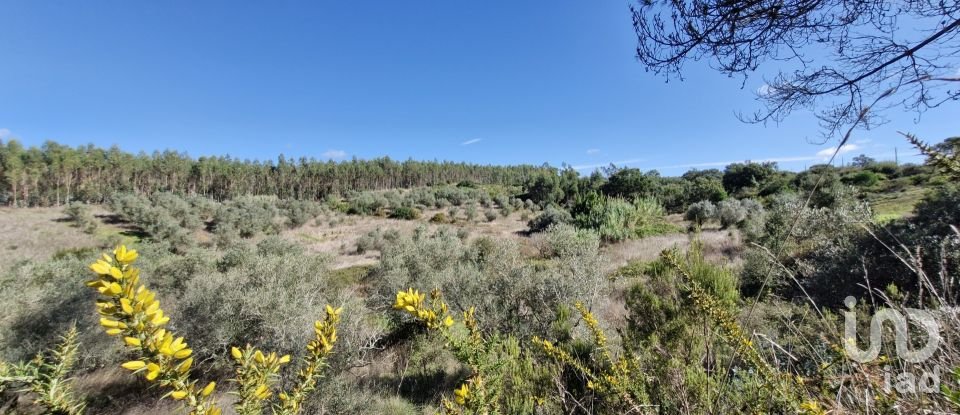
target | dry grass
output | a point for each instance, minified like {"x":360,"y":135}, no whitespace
{"x":340,"y":240}
{"x":37,"y":234}
{"x":720,"y":246}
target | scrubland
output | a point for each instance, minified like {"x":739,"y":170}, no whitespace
{"x":717,"y":292}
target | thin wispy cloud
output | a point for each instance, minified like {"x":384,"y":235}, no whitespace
{"x":4,"y":133}
{"x":334,"y":154}
{"x":471,"y":141}
{"x":828,"y":152}
{"x":593,"y":151}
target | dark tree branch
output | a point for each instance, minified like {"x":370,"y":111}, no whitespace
{"x":846,"y":52}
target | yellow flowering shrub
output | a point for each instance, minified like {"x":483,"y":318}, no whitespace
{"x":131,"y":312}
{"x":782,"y":385}
{"x":500,"y":374}
{"x":620,"y":379}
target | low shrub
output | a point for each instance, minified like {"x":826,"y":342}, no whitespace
{"x":405,"y":213}
{"x":730,"y":213}
{"x":701,"y":212}
{"x":376,"y":239}
{"x":81,"y":216}
{"x":440,"y":218}
{"x":470,"y":212}
{"x":616,"y":219}
{"x":493,"y":276}
{"x":132,"y":312}
{"x":299,"y":212}
{"x":250,"y":216}
{"x":864,"y":178}
{"x":550,"y":216}
{"x":164,"y":217}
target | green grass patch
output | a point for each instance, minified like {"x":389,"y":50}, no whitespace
{"x":895,"y":205}
{"x":308,"y":237}
{"x":345,"y":277}
{"x":633,"y":269}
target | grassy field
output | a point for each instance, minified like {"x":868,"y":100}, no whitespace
{"x":897,"y":204}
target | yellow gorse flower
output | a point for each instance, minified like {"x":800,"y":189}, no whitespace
{"x":462,"y":394}
{"x":130,"y":310}
{"x":619,"y":375}
{"x":414,"y":303}
{"x":257,"y":373}
{"x":318,"y":349}
{"x":477,"y":351}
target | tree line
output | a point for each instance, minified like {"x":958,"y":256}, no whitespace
{"x":54,"y":174}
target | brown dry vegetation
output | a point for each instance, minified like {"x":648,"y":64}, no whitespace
{"x":337,"y":234}
{"x":37,"y":234}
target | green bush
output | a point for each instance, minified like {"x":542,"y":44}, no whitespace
{"x":550,"y":216}
{"x":81,"y":216}
{"x":493,"y":275}
{"x":299,"y":212}
{"x":864,"y":178}
{"x":250,"y":216}
{"x":164,"y":217}
{"x":366,"y":204}
{"x":731,"y":213}
{"x":440,"y":218}
{"x":177,"y":207}
{"x":376,"y":239}
{"x":825,"y":249}
{"x":470,"y":212}
{"x":701,"y":212}
{"x":616,"y":219}
{"x":405,"y":213}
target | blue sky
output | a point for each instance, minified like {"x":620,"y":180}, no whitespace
{"x":488,"y":82}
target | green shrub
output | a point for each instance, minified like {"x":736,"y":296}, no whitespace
{"x":177,"y":207}
{"x":366,"y":204}
{"x":550,"y":216}
{"x":825,"y":249}
{"x":616,"y":219}
{"x":299,"y":212}
{"x":529,"y":205}
{"x":701,"y":212}
{"x":405,"y":213}
{"x":731,"y":213}
{"x":470,"y":212}
{"x":250,"y":216}
{"x":493,"y":276}
{"x":376,"y":239}
{"x":752,"y":225}
{"x":81,"y":215}
{"x":164,"y":217}
{"x":440,"y":218}
{"x":864,"y":178}
{"x":491,"y":215}
{"x":46,"y":377}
